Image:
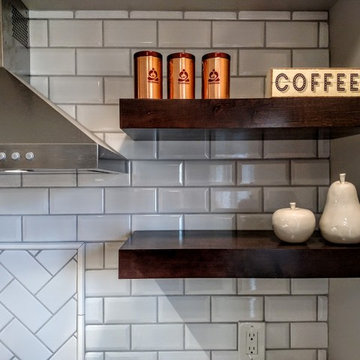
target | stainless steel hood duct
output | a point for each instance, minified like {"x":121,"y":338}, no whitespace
{"x":35,"y":135}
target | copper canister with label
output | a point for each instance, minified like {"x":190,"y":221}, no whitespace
{"x":148,"y":75}
{"x":181,"y":76}
{"x":216,"y":76}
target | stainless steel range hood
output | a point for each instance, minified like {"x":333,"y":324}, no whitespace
{"x":35,"y":135}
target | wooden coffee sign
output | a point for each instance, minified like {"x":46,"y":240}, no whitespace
{"x":290,"y":82}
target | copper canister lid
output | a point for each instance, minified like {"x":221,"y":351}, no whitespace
{"x":216,"y":54}
{"x":147,"y":53}
{"x":180,"y":55}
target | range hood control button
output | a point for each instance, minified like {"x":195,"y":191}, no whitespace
{"x":29,"y":156}
{"x":2,"y":156}
{"x":15,"y":156}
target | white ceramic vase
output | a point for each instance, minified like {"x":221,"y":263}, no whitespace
{"x":340,"y":221}
{"x":293,"y":225}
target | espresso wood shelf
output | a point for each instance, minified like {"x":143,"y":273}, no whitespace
{"x":221,"y":254}
{"x":233,"y":119}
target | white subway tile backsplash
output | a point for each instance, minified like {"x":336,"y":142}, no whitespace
{"x":311,"y":58}
{"x":181,"y":33}
{"x":210,"y":222}
{"x":309,"y":335}
{"x":277,"y":336}
{"x":210,"y":15}
{"x":210,"y":336}
{"x":69,"y":109}
{"x":103,"y":228}
{"x":323,"y":148}
{"x":52,"y":61}
{"x":50,"y":14}
{"x":157,"y":337}
{"x":105,"y":283}
{"x":323,"y":35}
{"x":107,"y":337}
{"x":157,"y":222}
{"x":225,"y":355}
{"x":183,"y":150}
{"x":128,"y":33}
{"x":291,"y":354}
{"x":238,"y":34}
{"x":41,"y":84}
{"x":94,"y":256}
{"x":174,"y":309}
{"x":103,"y":62}
{"x":236,"y":200}
{"x":322,"y":308}
{"x":99,"y":117}
{"x":184,"y":200}
{"x":101,"y":14}
{"x":134,"y":355}
{"x":264,"y":15}
{"x":118,"y":87}
{"x":130,"y":200}
{"x":103,"y":180}
{"x":234,"y":149}
{"x":254,"y":221}
{"x":184,"y":355}
{"x":75,"y":33}
{"x":289,"y":149}
{"x":94,"y":356}
{"x":130,"y":310}
{"x":310,"y":172}
{"x":247,"y":87}
{"x":291,"y":34}
{"x":47,"y":180}
{"x":137,"y":14}
{"x":10,"y":228}
{"x":309,"y":286}
{"x":112,"y":254}
{"x":38,"y":34}
{"x":290,"y":308}
{"x":310,"y":15}
{"x":94,"y":311}
{"x":76,"y":90}
{"x":157,"y":286}
{"x":210,"y":286}
{"x":263,"y":286}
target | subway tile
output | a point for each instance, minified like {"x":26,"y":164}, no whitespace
{"x":210,"y":286}
{"x":38,"y":35}
{"x":181,"y":33}
{"x":7,"y":180}
{"x":309,"y":286}
{"x":210,"y":336}
{"x":94,"y":256}
{"x":183,"y":150}
{"x":157,"y":286}
{"x":69,"y":109}
{"x":276,"y":198}
{"x":94,"y":356}
{"x":76,"y":90}
{"x":50,"y":14}
{"x":118,"y":87}
{"x":23,"y":201}
{"x":207,"y":173}
{"x":184,"y":309}
{"x":309,"y":335}
{"x":49,"y":180}
{"x":75,"y":33}
{"x":311,"y":58}
{"x":238,"y":34}
{"x":41,"y":84}
{"x":94,"y":311}
{"x":99,"y":117}
{"x":225,"y":355}
{"x":157,"y":222}
{"x":235,"y":149}
{"x":310,"y":15}
{"x":289,"y":149}
{"x":103,"y":62}
{"x":5,"y":353}
{"x":103,"y":227}
{"x":184,"y":355}
{"x":254,"y":221}
{"x":277,"y":336}
{"x":236,"y":200}
{"x":157,"y":337}
{"x":10,"y":228}
{"x":101,"y":14}
{"x":323,"y":148}
{"x":103,"y":180}
{"x":107,"y":337}
{"x":76,"y":201}
{"x":190,"y":200}
{"x":52,"y":61}
{"x":210,"y":15}
{"x":210,"y":222}
{"x":131,"y":149}
{"x":157,"y":173}
{"x":49,"y":228}
{"x":322,"y":308}
{"x":263,"y":172}
{"x":235,"y":308}
{"x":133,"y":355}
{"x":322,"y":355}
{"x":290,"y":308}
{"x":323,"y":35}
{"x":263,"y":286}
{"x":291,"y":354}
{"x":247,"y":87}
{"x":264,"y":15}
{"x":259,"y":62}
{"x":105,"y":283}
{"x":112,"y":254}
{"x":310,"y":172}
{"x":127,"y":33}
{"x":130,"y":200}
{"x":130,"y":310}
{"x":291,"y":34}
{"x":136,"y":14}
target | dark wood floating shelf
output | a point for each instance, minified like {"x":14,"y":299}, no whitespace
{"x":215,"y":254}
{"x":226,"y":119}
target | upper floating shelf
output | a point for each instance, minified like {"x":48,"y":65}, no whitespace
{"x":234,"y":119}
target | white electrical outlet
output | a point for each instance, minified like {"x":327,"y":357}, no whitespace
{"x":252,"y":341}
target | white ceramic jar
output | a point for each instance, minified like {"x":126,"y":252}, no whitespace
{"x":293,"y":225}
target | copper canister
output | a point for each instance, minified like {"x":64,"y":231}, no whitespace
{"x":216,"y":76}
{"x":181,"y":76}
{"x":148,"y":75}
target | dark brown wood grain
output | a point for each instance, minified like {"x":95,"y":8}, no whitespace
{"x":208,"y":254}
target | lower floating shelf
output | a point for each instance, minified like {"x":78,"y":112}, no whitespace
{"x":231,"y":254}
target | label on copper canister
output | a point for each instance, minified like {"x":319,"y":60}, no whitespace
{"x":181,"y":76}
{"x":216,"y":76}
{"x":148,"y":75}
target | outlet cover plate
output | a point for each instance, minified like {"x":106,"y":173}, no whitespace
{"x":244,"y":328}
